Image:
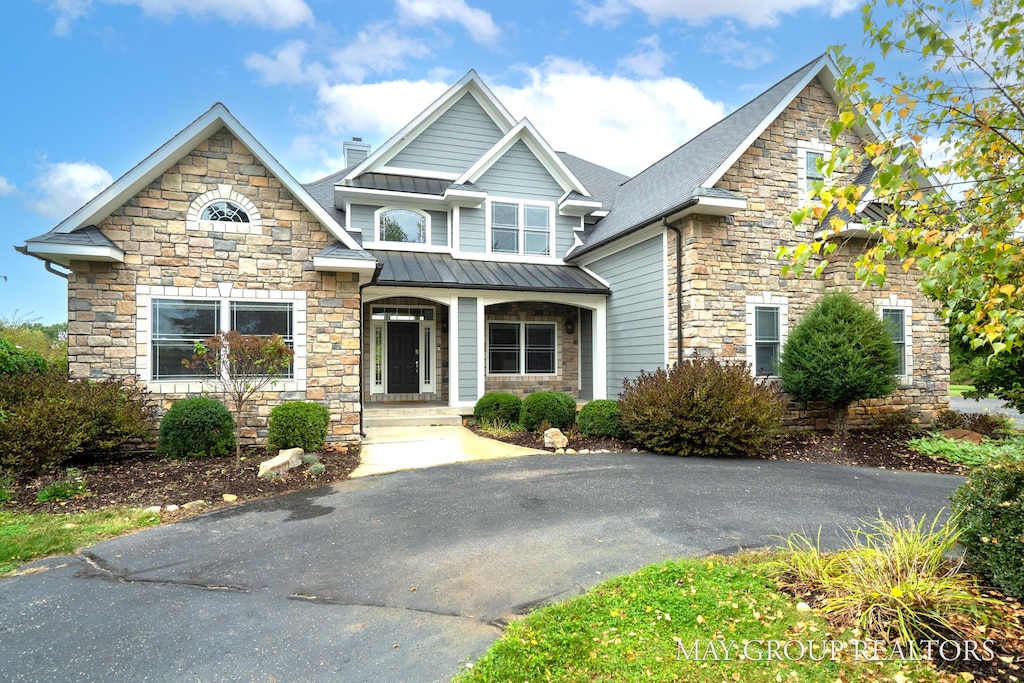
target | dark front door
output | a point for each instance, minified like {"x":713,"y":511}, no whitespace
{"x":403,"y":358}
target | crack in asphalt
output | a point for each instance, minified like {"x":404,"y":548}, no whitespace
{"x":98,"y":568}
{"x":351,"y":602}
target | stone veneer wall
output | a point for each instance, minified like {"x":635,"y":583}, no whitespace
{"x":567,"y":362}
{"x":164,"y":257}
{"x":728,"y":261}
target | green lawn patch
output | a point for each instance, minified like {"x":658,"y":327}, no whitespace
{"x":26,"y":537}
{"x":686,"y":620}
{"x":959,"y":389}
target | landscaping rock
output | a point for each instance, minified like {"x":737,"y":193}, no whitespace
{"x":171,"y":508}
{"x":559,"y":451}
{"x":962,"y":435}
{"x":230,"y":498}
{"x":570,"y":451}
{"x":554,"y":438}
{"x":193,"y":504}
{"x":282,"y":462}
{"x":153,"y":509}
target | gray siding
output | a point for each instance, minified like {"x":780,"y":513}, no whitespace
{"x":467,"y":349}
{"x":472,"y":231}
{"x":361,"y":216}
{"x":563,"y":233}
{"x":586,"y":354}
{"x":454,"y":142}
{"x":438,"y":228}
{"x":518,"y":173}
{"x":636,"y":310}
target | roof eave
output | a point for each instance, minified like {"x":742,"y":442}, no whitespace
{"x":329,"y":264}
{"x":64,"y":254}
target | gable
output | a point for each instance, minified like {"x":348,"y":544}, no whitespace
{"x":519,"y":173}
{"x":453,"y":142}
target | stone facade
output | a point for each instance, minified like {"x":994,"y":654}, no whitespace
{"x":169,"y":254}
{"x":567,"y":360}
{"x":729,"y":265}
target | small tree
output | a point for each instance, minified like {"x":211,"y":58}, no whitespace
{"x":240,"y":366}
{"x":840,"y":352}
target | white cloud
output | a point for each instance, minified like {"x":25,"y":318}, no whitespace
{"x":287,"y":65}
{"x":279,"y":14}
{"x":734,"y":51}
{"x":6,"y":187}
{"x":754,"y":13}
{"x":649,"y":59}
{"x":477,"y":22}
{"x":379,"y":48}
{"x":64,"y":187}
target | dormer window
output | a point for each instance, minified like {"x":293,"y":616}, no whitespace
{"x":227,"y":212}
{"x":402,"y":225}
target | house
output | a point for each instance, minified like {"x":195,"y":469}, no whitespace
{"x":465,"y":256}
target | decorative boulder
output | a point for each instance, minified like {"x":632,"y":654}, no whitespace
{"x":282,"y":462}
{"x":554,"y":438}
{"x":962,"y":435}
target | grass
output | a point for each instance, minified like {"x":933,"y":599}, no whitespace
{"x":959,"y":389}
{"x":970,"y":454}
{"x":685,"y":620}
{"x":25,"y":537}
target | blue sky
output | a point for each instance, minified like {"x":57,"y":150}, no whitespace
{"x":94,"y":86}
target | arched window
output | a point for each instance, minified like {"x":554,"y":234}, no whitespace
{"x":225,"y":211}
{"x":402,"y":225}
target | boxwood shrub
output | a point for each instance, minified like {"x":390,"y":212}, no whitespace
{"x":601,"y":418}
{"x":553,"y":407}
{"x":701,"y":407}
{"x":989,"y":510}
{"x":298,"y":424}
{"x":497,"y":408}
{"x":196,"y":427}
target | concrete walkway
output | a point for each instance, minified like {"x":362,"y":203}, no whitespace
{"x":392,"y":449}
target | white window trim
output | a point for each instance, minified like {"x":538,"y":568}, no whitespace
{"x":893,"y":301}
{"x":144,"y":295}
{"x":765,"y":300}
{"x":411,"y":246}
{"x":223,"y":193}
{"x":522,"y":204}
{"x":803,"y":147}
{"x":426,"y":386}
{"x":486,"y":342}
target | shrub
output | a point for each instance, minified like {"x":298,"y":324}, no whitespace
{"x":989,"y":511}
{"x":898,"y":581}
{"x":553,"y":407}
{"x":840,"y":352}
{"x":298,"y":424}
{"x":497,"y":408}
{"x":16,"y":361}
{"x":988,"y":424}
{"x":897,"y":422}
{"x":45,"y":419}
{"x":601,"y":418}
{"x":701,"y":407}
{"x":970,"y":454}
{"x":196,"y":427}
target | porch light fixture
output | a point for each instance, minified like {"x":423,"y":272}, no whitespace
{"x":570,"y":325}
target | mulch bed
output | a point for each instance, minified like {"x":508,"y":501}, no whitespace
{"x":143,"y":479}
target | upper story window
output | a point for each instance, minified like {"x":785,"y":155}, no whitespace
{"x":810,"y":154}
{"x":812,"y":161}
{"x":402,"y":225}
{"x":520,"y":228}
{"x":225,"y":211}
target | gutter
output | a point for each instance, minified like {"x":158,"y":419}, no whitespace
{"x":693,"y":201}
{"x":48,"y":264}
{"x":362,"y":385}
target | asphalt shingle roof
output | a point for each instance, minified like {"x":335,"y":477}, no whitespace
{"x":89,"y":236}
{"x":602,"y":183}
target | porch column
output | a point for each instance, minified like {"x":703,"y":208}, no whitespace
{"x":467,"y":322}
{"x":601,"y":351}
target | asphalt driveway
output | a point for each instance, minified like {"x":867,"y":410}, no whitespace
{"x":402,"y":577}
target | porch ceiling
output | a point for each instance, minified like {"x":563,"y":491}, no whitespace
{"x":412,"y":269}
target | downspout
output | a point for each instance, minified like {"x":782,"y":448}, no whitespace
{"x":679,"y":288}
{"x":362,"y":384}
{"x":46,"y":262}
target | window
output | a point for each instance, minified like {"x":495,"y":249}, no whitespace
{"x":520,"y":228}
{"x":227,"y":212}
{"x":179,"y":323}
{"x":767,"y":339}
{"x":402,"y":225}
{"x":895,"y":320}
{"x":812,"y":172}
{"x":521,"y":348}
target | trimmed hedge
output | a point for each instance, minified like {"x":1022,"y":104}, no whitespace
{"x":298,"y":424}
{"x":553,"y":407}
{"x":601,"y":418}
{"x":989,"y":510}
{"x":498,"y":408}
{"x":701,"y":407}
{"x":196,"y":427}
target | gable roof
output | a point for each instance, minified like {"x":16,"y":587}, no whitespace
{"x":132,"y":182}
{"x":470,"y":83}
{"x":602,"y":183}
{"x":685,"y":178}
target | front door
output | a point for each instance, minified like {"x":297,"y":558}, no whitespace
{"x":403,"y":358}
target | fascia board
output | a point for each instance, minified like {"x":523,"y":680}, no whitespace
{"x":65,"y":253}
{"x":343,"y":265}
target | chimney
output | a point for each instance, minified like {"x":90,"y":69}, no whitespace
{"x":355,"y":151}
